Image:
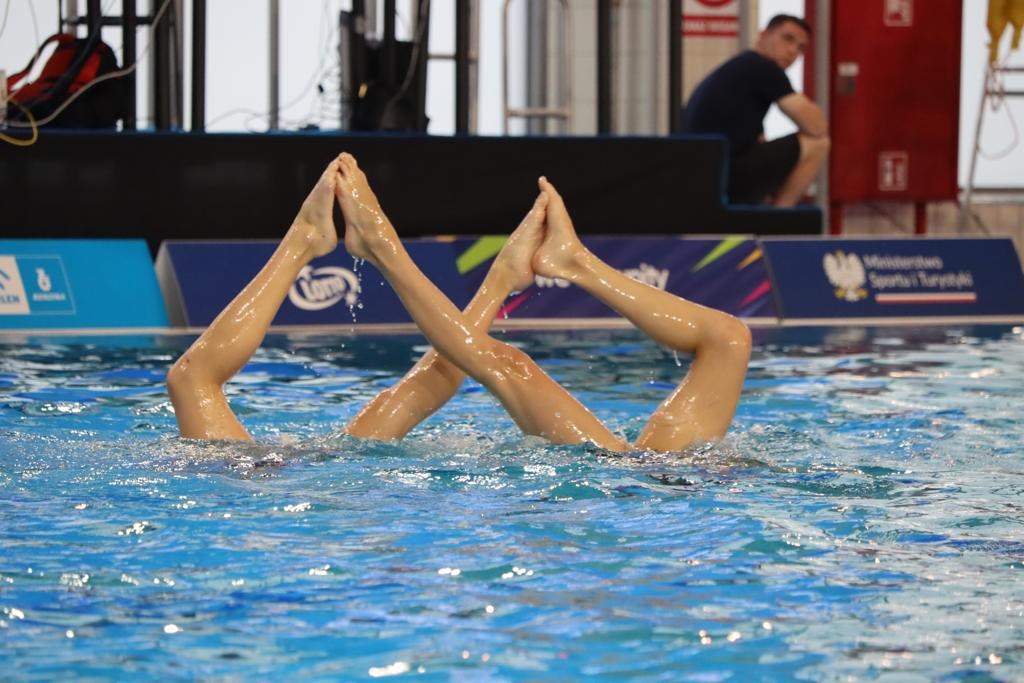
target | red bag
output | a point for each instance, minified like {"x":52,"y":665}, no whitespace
{"x":74,"y":64}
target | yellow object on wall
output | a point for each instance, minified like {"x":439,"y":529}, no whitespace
{"x":1001,"y":13}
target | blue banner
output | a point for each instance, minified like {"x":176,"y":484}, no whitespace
{"x":200,"y":278}
{"x":78,"y":284}
{"x":896,"y":278}
{"x":726,"y":273}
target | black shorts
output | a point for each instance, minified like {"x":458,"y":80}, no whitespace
{"x":760,"y":171}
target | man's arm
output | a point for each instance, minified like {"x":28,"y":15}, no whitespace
{"x":808,"y":116}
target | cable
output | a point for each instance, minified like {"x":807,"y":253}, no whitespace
{"x":96,"y":81}
{"x":7,"y":11}
{"x":325,"y":37}
{"x":17,"y":142}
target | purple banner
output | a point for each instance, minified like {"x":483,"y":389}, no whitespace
{"x":727,"y":274}
{"x":199,"y":278}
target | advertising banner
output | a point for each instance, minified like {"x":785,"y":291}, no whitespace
{"x":957,"y":278}
{"x":78,"y":284}
{"x":199,"y":278}
{"x":726,"y":273}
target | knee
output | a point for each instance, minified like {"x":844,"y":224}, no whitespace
{"x":505,"y":365}
{"x":816,"y":148}
{"x":180,"y":377}
{"x":731,"y":335}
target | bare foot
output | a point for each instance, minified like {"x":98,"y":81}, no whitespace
{"x":314,"y":224}
{"x":516,"y":257}
{"x":368,"y":232}
{"x":561,"y":253}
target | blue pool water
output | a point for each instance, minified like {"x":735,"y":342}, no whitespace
{"x":863,"y":520}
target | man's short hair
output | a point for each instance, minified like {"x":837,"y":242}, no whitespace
{"x":780,"y":19}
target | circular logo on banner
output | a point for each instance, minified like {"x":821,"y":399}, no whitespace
{"x":320,"y":288}
{"x":714,"y":3}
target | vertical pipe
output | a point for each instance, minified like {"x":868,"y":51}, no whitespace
{"x":604,"y":66}
{"x":920,"y":218}
{"x":537,"y":15}
{"x":747,"y":18}
{"x":160,"y":89}
{"x":388,"y":55}
{"x":94,"y":11}
{"x":823,"y":38}
{"x":178,"y":64}
{"x":462,"y":29}
{"x":129,"y":25}
{"x":675,"y":66}
{"x":275,"y":81}
{"x":198,"y":66}
{"x":965,"y":206}
{"x":423,"y":30}
{"x":71,"y":18}
{"x":357,"y":63}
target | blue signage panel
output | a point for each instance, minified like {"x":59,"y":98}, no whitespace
{"x":959,"y":277}
{"x":727,"y":274}
{"x":200,"y":278}
{"x":78,"y":284}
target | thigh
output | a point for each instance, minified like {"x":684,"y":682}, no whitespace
{"x":761,"y":170}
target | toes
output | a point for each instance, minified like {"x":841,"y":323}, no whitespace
{"x":346,"y":162}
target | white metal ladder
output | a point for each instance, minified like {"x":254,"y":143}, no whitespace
{"x":988,"y":91}
{"x":561,"y":110}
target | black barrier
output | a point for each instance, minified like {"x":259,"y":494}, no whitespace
{"x":188,"y":186}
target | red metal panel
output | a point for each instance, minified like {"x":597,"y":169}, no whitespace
{"x":895,"y":75}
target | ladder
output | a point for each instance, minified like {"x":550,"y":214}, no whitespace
{"x":562,"y":110}
{"x":990,"y":90}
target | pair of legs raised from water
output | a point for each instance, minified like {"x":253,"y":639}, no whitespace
{"x":545,"y":243}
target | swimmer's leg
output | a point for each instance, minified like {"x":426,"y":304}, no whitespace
{"x":434,"y":379}
{"x":702,"y":406}
{"x":537,"y":403}
{"x":195,"y":381}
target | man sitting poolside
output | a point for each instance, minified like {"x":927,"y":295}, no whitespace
{"x":734,"y":99}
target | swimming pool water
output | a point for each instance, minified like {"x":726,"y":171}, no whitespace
{"x":864,"y":519}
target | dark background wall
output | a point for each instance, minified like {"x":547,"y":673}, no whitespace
{"x":188,"y":186}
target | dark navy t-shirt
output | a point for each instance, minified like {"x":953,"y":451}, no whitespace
{"x":735,"y":97}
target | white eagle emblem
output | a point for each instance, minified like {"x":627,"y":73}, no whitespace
{"x":846,"y":273}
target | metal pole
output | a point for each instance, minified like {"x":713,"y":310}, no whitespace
{"x":275,"y":81}
{"x":462,"y":29}
{"x":823,"y":87}
{"x":537,"y":15}
{"x":965,"y":207}
{"x":95,"y":15}
{"x":604,"y":66}
{"x":70,"y":16}
{"x":423,"y":29}
{"x":129,"y":25}
{"x":388,"y":55}
{"x":161,"y":83}
{"x":747,"y":13}
{"x":675,"y":66}
{"x":198,"y":66}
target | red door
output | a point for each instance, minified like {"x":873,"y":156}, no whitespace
{"x":895,"y":100}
